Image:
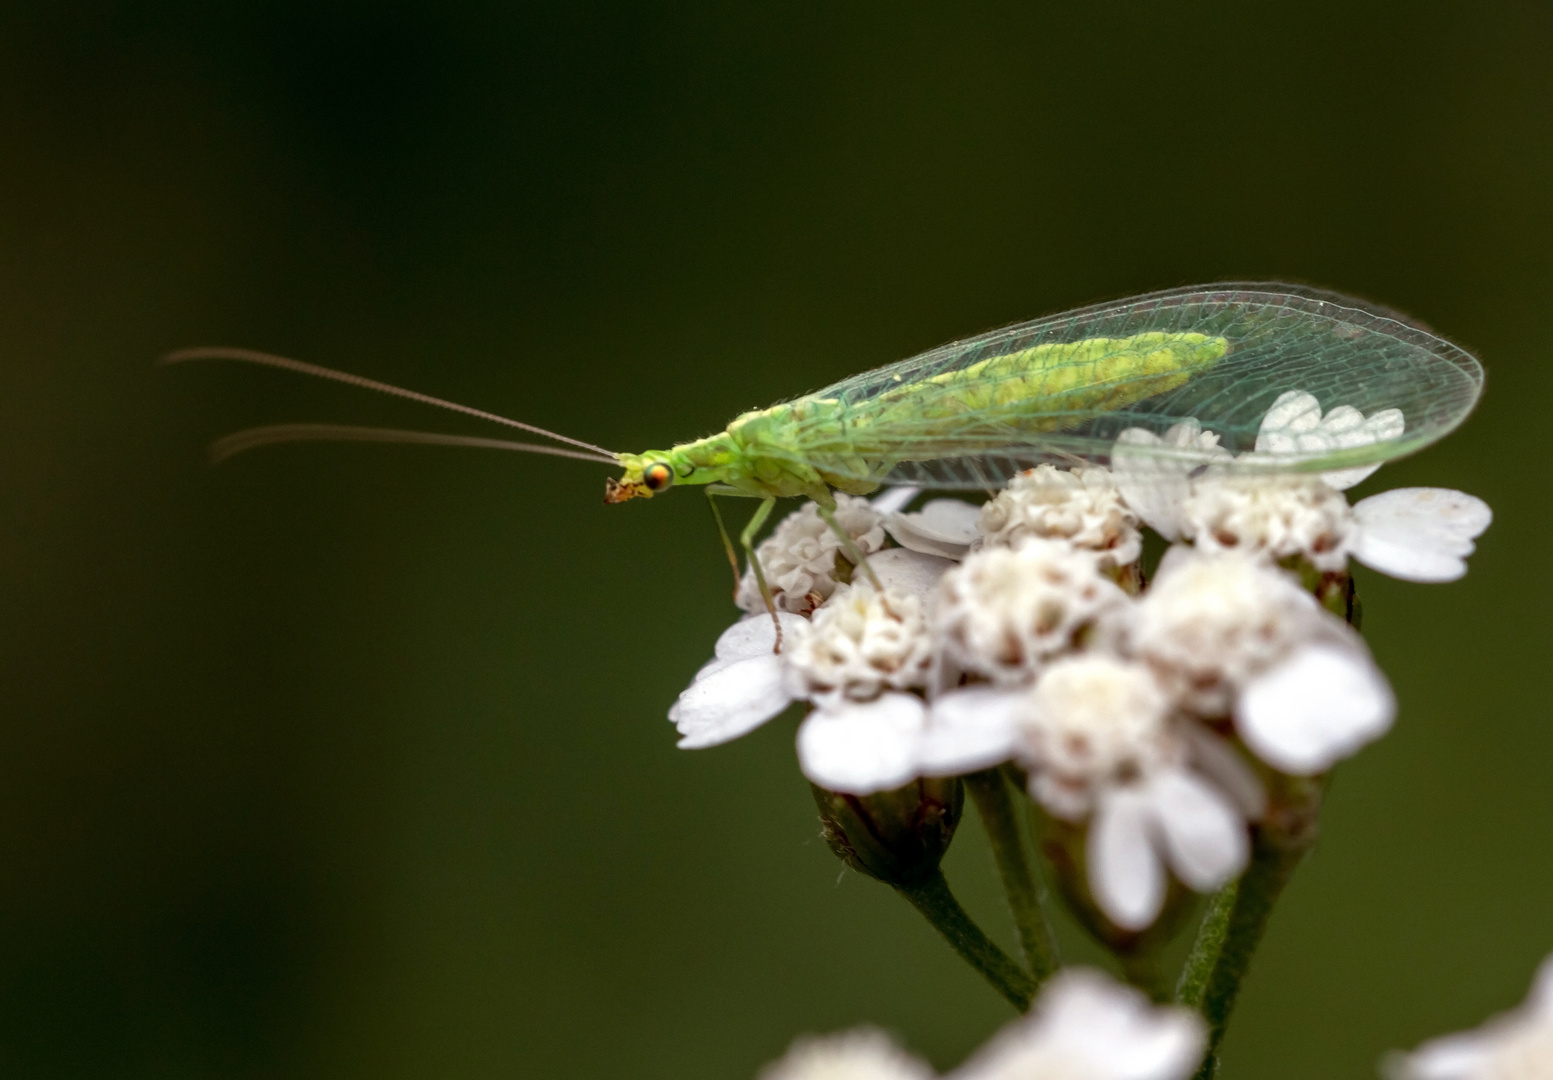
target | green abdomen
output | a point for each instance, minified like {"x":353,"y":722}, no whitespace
{"x":1005,"y":401}
{"x":1045,"y":388}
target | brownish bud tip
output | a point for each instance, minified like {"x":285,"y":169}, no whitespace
{"x":897,"y":837}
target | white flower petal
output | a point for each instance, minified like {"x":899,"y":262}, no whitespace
{"x":1229,"y":771}
{"x":1293,"y":413}
{"x":861,"y":1054}
{"x":1204,"y":837}
{"x":1540,"y":1000}
{"x":711,"y":666}
{"x":1442,"y":511}
{"x":1153,"y":483}
{"x":1117,"y":1031}
{"x":1319,"y":705}
{"x":862,"y":748}
{"x":1419,"y":534}
{"x":1294,"y":425}
{"x":910,"y":571}
{"x":1451,"y":1057}
{"x":945,"y":527}
{"x":1124,"y":871}
{"x":1422,"y":559}
{"x":1085,"y":1024}
{"x":892,"y":500}
{"x":1343,"y":479}
{"x":1349,"y":429}
{"x":971,"y":728}
{"x":730,"y":701}
{"x":755,"y":636}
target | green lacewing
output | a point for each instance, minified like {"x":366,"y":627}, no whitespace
{"x":1057,"y":390}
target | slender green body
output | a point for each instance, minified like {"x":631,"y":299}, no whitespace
{"x":1066,"y":389}
{"x":850,"y":437}
{"x":1062,"y":389}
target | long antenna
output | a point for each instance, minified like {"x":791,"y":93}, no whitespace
{"x":268,"y":360}
{"x":237,"y":442}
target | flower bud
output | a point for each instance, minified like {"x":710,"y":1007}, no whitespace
{"x":897,"y":837}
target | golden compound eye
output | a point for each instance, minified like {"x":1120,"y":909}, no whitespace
{"x":657,"y":476}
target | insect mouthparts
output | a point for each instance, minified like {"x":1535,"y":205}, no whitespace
{"x":619,"y":491}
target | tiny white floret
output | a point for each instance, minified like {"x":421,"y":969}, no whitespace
{"x":1231,"y":635}
{"x":1294,"y":425}
{"x":1081,"y":506}
{"x":1098,"y":742}
{"x":1271,"y":515}
{"x":1416,"y":534}
{"x":1517,"y":1045}
{"x":799,"y":557}
{"x":860,"y":643}
{"x":862,"y":649}
{"x":861,"y":1054}
{"x":1086,"y":1026}
{"x":1006,"y":612}
{"x":1209,"y":623}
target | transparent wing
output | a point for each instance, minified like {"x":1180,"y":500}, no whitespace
{"x":1282,"y":341}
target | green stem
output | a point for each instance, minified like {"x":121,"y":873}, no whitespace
{"x":989,"y":790}
{"x":1277,"y":847}
{"x":938,"y":905}
{"x":1206,"y":948}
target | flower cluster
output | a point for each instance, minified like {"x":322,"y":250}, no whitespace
{"x":1084,"y":1027}
{"x":1152,"y":720}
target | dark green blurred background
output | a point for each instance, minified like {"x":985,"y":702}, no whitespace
{"x":352,"y":761}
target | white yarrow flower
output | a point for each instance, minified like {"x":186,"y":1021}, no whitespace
{"x":1417,"y":534}
{"x":860,"y":643}
{"x":1097,"y":739}
{"x":1276,"y":516}
{"x":1100,"y":734}
{"x":799,"y":557}
{"x":1294,"y":425}
{"x":1081,"y":506}
{"x":1229,"y":634}
{"x":1517,"y":1045}
{"x":1160,"y":475}
{"x":1006,"y":612}
{"x":862,"y":1054}
{"x":1086,"y":1026}
{"x":861,"y":651}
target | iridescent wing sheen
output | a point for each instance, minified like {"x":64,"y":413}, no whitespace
{"x":1280,"y":338}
